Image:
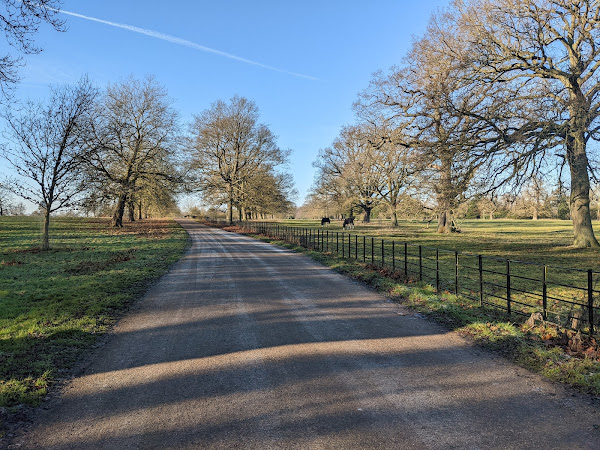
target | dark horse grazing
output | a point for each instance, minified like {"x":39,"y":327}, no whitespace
{"x":325,"y":220}
{"x":348,"y":223}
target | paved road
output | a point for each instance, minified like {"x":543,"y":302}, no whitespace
{"x":246,"y":345}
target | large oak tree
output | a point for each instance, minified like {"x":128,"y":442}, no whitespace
{"x":230,"y":148}
{"x":134,"y":141}
{"x":548,"y":50}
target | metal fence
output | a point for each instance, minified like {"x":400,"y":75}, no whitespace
{"x":565,"y":296}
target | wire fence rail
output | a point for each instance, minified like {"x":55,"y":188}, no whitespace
{"x":564,"y":296}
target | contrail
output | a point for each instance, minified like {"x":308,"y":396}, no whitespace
{"x":176,"y":40}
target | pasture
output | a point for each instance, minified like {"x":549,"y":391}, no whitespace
{"x":541,"y":241}
{"x":54,"y":304}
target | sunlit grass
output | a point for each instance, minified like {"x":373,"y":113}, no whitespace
{"x":53,"y":304}
{"x":542,"y":241}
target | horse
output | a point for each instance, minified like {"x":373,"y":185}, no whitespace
{"x":325,"y":220}
{"x":348,"y":223}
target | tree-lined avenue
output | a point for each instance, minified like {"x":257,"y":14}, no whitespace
{"x":244,"y":344}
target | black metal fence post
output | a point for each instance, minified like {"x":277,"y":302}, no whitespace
{"x":349,"y":246}
{"x":456,"y":273}
{"x":394,"y":256}
{"x":364,"y":249}
{"x":343,"y":246}
{"x":327,"y":242}
{"x":590,"y":292}
{"x":382,"y":255}
{"x":508,"y":286}
{"x":544,"y":293}
{"x":420,"y":263}
{"x":437,"y":270}
{"x":337,"y":243}
{"x":372,"y":250}
{"x":356,"y":247}
{"x":480,"y":279}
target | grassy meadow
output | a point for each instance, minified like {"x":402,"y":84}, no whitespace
{"x":540,"y":241}
{"x":54,"y":304}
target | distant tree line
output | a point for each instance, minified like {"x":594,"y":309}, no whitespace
{"x":495,"y":95}
{"x":533,"y":201}
{"x":236,"y":161}
{"x":122,"y":152}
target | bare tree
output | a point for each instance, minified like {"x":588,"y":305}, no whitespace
{"x":135,"y":135}
{"x":549,"y":50}
{"x":347,"y":171}
{"x":230,"y":146}
{"x":267,"y":193}
{"x":20,"y":20}
{"x":154,"y":196}
{"x":443,"y":145}
{"x":393,"y":163}
{"x":45,"y":147}
{"x":320,"y":204}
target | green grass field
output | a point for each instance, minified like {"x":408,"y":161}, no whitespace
{"x":541,"y":241}
{"x":54,"y":304}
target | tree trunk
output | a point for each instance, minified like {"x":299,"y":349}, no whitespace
{"x":131,"y":210}
{"x":445,"y":195}
{"x":394,"y":218}
{"x":229,"y":203}
{"x":445,"y":222}
{"x":367,"y":217}
{"x":46,"y":232}
{"x":583,"y":234}
{"x":117,"y":218}
{"x":140,"y":210}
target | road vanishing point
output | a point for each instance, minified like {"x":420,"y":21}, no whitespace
{"x":247,"y":345}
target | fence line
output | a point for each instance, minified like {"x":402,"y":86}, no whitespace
{"x":505,"y":284}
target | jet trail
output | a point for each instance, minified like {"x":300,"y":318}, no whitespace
{"x":179,"y":41}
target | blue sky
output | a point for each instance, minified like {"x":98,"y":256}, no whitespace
{"x":324,"y":51}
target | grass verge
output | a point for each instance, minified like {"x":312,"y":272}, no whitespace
{"x":555,"y":353}
{"x":54,"y":304}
